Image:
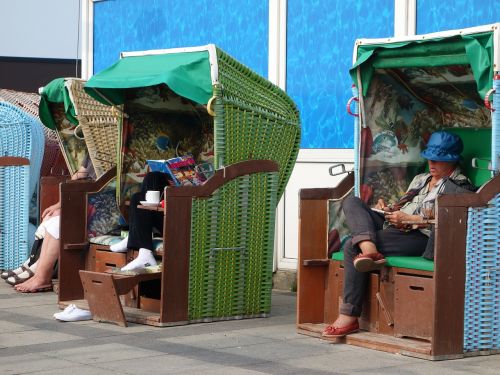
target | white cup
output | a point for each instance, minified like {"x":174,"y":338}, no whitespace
{"x":153,"y":196}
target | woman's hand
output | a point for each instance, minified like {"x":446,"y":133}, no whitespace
{"x":396,"y":218}
{"x":381,"y":205}
{"x":52,"y":210}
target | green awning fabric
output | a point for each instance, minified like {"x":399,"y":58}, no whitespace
{"x":475,"y":50}
{"x":55,"y":92}
{"x":185,"y":73}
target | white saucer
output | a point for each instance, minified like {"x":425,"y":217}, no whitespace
{"x":146,"y":203}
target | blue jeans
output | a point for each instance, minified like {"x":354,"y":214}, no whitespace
{"x":366,"y":224}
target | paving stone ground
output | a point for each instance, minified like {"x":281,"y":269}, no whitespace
{"x":32,"y":342}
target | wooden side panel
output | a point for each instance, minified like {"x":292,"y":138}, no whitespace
{"x":386,"y":302}
{"x":449,"y":281}
{"x":333,"y":291}
{"x":175,"y":275}
{"x":369,"y":316}
{"x":102,"y":297}
{"x":313,"y":233}
{"x":414,"y":299}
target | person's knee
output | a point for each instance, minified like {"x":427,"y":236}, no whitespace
{"x":350,"y":202}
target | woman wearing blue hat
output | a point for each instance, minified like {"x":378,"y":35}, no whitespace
{"x":380,"y":233}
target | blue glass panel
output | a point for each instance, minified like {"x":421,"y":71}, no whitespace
{"x":239,"y":27}
{"x":321,"y":36}
{"x":443,"y":15}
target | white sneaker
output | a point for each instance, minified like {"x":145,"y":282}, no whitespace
{"x":143,"y":260}
{"x":73,"y":314}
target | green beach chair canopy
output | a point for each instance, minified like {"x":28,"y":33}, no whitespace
{"x":188,"y":74}
{"x":55,"y":92}
{"x":473,"y":49}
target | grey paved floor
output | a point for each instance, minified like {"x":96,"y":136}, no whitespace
{"x":31,"y":342}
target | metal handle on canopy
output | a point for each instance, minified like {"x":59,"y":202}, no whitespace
{"x":209,"y":107}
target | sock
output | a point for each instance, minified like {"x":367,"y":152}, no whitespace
{"x":144,"y":259}
{"x":120,"y":247}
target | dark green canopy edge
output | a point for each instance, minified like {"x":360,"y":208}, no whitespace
{"x":475,"y":50}
{"x":55,"y":92}
{"x":185,"y":73}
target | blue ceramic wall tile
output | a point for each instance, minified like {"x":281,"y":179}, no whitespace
{"x":239,"y":27}
{"x":443,"y":15}
{"x":320,"y":42}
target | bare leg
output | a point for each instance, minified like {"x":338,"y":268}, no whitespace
{"x":43,"y":275}
{"x":367,"y":247}
{"x":344,"y":320}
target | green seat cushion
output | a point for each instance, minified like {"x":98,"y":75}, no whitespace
{"x":414,"y":263}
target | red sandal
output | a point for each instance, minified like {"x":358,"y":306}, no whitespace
{"x":332,"y":331}
{"x":369,"y":262}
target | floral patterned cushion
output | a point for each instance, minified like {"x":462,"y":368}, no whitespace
{"x":102,"y":211}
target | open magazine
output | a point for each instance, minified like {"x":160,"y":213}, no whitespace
{"x":182,"y":170}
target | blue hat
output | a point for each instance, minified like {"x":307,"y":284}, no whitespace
{"x":443,"y":146}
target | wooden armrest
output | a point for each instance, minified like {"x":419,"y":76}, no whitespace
{"x":76,"y":246}
{"x":221,"y":177}
{"x":477,"y":199}
{"x":88,"y":186}
{"x":315,"y":262}
{"x":9,"y":161}
{"x":330,"y":193}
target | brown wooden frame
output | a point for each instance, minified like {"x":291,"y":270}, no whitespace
{"x":176,"y":238}
{"x":319,"y":284}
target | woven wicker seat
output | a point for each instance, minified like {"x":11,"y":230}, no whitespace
{"x":21,"y":136}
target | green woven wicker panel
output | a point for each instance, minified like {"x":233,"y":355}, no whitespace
{"x":254,"y":120}
{"x":232,"y":239}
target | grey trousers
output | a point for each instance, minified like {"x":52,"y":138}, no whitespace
{"x":366,"y":224}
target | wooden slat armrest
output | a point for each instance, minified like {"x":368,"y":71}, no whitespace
{"x":221,"y":177}
{"x":330,"y":193}
{"x":76,"y":246}
{"x":88,"y":186}
{"x":315,"y":262}
{"x":478,"y":199}
{"x":9,"y":161}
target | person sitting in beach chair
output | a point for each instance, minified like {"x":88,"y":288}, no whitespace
{"x":386,"y":231}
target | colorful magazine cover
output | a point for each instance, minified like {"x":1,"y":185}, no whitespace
{"x":181,"y":170}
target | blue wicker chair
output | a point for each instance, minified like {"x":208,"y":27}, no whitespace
{"x":21,"y":150}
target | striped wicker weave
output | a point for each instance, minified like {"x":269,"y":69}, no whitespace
{"x":28,"y":102}
{"x":232,"y":233}
{"x":20,"y":136}
{"x":99,"y":126}
{"x":482,"y":285}
{"x":254,"y":119}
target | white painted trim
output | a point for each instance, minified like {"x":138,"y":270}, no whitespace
{"x":277,"y":43}
{"x":283,"y":35}
{"x":496,"y":47}
{"x":273,"y":42}
{"x":439,"y":34}
{"x":325,"y":155}
{"x":87,"y":39}
{"x":405,"y":12}
{"x":411,"y":14}
{"x":212,"y":55}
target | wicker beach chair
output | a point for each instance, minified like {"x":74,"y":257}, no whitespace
{"x":436,"y":309}
{"x":218,"y":238}
{"x":28,"y":102}
{"x":21,"y":153}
